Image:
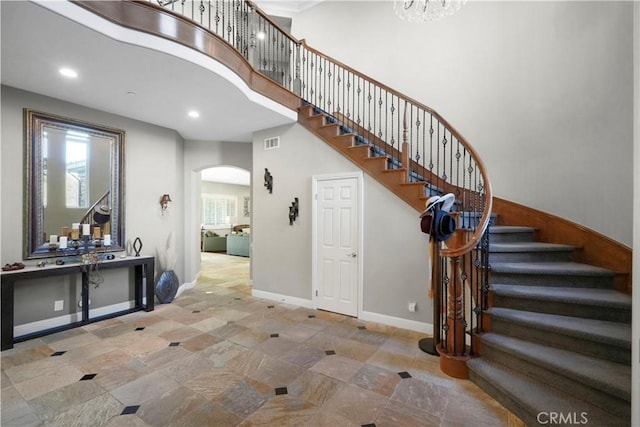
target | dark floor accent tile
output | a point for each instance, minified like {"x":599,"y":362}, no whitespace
{"x":274,"y":335}
{"x":281,"y":390}
{"x":88,"y":377}
{"x":141,"y":328}
{"x":270,"y":306}
{"x":58,"y":353}
{"x":362,"y":328}
{"x":237,"y":298}
{"x":404,"y":374}
{"x":130,"y":410}
{"x":312,"y":316}
{"x":230,"y":322}
{"x":369,"y":425}
{"x":196,"y":311}
{"x":330,"y":352}
{"x":174,"y":344}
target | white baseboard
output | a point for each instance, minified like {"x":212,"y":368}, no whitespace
{"x":307,"y":303}
{"x":368,"y":316}
{"x":41,"y":325}
{"x":398,"y":322}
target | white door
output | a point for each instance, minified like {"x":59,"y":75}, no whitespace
{"x":337,"y":245}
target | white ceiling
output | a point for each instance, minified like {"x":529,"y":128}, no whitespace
{"x":36,"y":42}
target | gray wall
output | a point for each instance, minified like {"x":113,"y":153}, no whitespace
{"x":543,"y":91}
{"x":396,"y":269}
{"x":154,"y":158}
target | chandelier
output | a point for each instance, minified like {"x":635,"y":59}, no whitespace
{"x":426,"y":10}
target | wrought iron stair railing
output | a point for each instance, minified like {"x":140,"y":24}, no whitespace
{"x":413,"y":137}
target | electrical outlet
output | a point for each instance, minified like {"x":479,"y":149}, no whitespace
{"x":58,"y":305}
{"x":80,"y":303}
{"x":412,"y":306}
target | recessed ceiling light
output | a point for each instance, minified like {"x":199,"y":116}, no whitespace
{"x":68,"y":72}
{"x":261,"y":35}
{"x":194,"y":114}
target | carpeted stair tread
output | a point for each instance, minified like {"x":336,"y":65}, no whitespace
{"x":610,"y":377}
{"x":529,"y":247}
{"x":527,"y":397}
{"x":613,"y":333}
{"x":500,"y":229}
{"x":592,"y":296}
{"x":556,"y":268}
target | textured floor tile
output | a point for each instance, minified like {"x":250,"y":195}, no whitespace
{"x":297,"y":333}
{"x":57,"y":401}
{"x":207,"y":414}
{"x":144,"y":389}
{"x":15,"y":411}
{"x":304,"y":356}
{"x":126,"y":421}
{"x":209,"y":325}
{"x":276,"y":372}
{"x":397,"y":362}
{"x":63,"y":335}
{"x":337,"y":367}
{"x":356,"y":404}
{"x":313,"y":387}
{"x":115,"y":377}
{"x":185,"y":368}
{"x":48,"y":381}
{"x":249,"y":338}
{"x":276,"y":346}
{"x":283,"y":411}
{"x":163,"y":408}
{"x":15,"y":357}
{"x":423,"y":395}
{"x":229,"y":330}
{"x":94,"y":412}
{"x":242,"y":399}
{"x":325,"y":418}
{"x":396,"y":414}
{"x":214,"y":382}
{"x":377,"y":379}
{"x":181,"y":334}
{"x":223,"y":351}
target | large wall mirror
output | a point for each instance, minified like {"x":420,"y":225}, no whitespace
{"x":74,"y":189}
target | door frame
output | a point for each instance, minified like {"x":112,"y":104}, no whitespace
{"x":359,"y":176}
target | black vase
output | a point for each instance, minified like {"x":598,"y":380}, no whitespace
{"x":167,"y":286}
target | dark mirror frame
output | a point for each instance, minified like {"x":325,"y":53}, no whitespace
{"x":34,"y":122}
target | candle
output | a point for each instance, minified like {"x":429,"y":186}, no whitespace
{"x":107,"y":239}
{"x":86,"y":229}
{"x":53,"y":239}
{"x":64,"y":231}
{"x":96,"y":232}
{"x":63,"y":242}
{"x":75,"y":226}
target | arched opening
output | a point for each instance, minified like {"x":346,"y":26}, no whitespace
{"x":225,"y":221}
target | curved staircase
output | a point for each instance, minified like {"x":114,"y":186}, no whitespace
{"x":559,"y":340}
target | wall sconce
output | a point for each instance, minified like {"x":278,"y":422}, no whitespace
{"x":293,"y":211}
{"x":164,"y":202}
{"x":268,"y":180}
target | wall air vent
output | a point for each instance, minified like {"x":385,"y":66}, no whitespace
{"x":271,"y":143}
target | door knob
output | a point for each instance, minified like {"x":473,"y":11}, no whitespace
{"x":352,"y":255}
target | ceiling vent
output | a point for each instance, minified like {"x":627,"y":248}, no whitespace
{"x":271,"y":143}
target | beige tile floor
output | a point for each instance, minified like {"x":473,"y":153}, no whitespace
{"x":216,"y":356}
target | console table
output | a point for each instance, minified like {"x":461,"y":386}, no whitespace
{"x":143,"y":282}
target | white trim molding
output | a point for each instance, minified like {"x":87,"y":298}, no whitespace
{"x":398,"y":322}
{"x":285,"y":299}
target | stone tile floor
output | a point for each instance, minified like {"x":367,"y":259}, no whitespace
{"x":216,"y":356}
